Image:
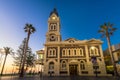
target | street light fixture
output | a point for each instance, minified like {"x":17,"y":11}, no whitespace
{"x":95,"y":64}
{"x":94,"y":61}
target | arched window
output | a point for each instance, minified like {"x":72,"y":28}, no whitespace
{"x":63,"y":52}
{"x":74,"y":52}
{"x":52,"y":52}
{"x":54,"y":27}
{"x":81,"y":52}
{"x":51,"y":66}
{"x":51,"y":27}
{"x":69,"y":52}
{"x":93,"y":51}
{"x":82,"y":65}
{"x":63,"y":65}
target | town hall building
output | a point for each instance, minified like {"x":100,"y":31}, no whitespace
{"x":71,"y":56}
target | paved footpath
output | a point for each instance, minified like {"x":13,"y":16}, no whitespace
{"x":59,"y":78}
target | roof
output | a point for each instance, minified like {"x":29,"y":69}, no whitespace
{"x":71,"y":39}
{"x":54,"y":12}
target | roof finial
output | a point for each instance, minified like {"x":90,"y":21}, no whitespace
{"x":54,"y":11}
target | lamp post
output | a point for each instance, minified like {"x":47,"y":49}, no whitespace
{"x":95,"y":64}
{"x":94,"y":60}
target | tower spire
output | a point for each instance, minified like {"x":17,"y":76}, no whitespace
{"x":54,"y":11}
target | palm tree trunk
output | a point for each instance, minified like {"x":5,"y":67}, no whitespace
{"x":112,"y":56}
{"x":24,"y":58}
{"x":21,"y":61}
{"x":3,"y":65}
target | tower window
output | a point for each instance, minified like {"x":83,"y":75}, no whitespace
{"x":53,"y":26}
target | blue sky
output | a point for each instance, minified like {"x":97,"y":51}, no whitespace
{"x":80,"y":19}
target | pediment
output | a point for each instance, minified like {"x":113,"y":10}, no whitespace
{"x":94,"y":41}
{"x":71,"y":40}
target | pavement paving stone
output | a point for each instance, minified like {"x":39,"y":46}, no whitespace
{"x":58,"y":78}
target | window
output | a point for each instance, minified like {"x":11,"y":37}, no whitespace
{"x":81,"y":52}
{"x":63,"y":65}
{"x":51,"y":66}
{"x":53,"y":26}
{"x":93,"y":51}
{"x":74,"y":52}
{"x":69,"y":52}
{"x":82,"y":65}
{"x":63,"y":52}
{"x":51,"y":52}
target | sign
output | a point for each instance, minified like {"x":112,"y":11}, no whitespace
{"x":94,"y":60}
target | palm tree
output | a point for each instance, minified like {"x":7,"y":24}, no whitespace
{"x":29,"y":29}
{"x":7,"y":50}
{"x":107,"y":30}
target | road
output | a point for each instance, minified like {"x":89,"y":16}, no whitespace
{"x":58,"y":78}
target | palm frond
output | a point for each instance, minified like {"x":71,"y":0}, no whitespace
{"x":113,"y":29}
{"x":107,"y":29}
{"x":29,"y":28}
{"x":100,"y":31}
{"x":7,"y":50}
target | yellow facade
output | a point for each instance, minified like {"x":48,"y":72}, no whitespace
{"x":70,"y":56}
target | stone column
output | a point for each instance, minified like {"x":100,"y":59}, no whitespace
{"x":89,"y":65}
{"x":102,"y":63}
{"x":58,"y":61}
{"x":45,"y":72}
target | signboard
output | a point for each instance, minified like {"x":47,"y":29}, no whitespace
{"x":94,"y":60}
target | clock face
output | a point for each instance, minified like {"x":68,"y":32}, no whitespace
{"x":52,"y":38}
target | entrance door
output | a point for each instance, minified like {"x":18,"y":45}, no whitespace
{"x":73,"y":69}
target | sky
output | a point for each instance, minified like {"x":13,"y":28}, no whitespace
{"x":80,"y":19}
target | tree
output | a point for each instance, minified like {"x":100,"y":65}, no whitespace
{"x":29,"y":29}
{"x":107,"y":30}
{"x":18,"y":58}
{"x":30,"y":59}
{"x":7,"y":50}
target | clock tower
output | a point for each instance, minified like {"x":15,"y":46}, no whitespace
{"x":53,"y":34}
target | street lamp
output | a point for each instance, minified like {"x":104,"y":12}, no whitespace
{"x":94,"y":60}
{"x":95,"y":64}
